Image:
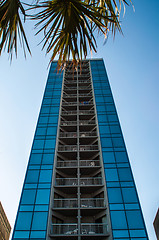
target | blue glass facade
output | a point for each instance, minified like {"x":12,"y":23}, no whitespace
{"x":32,"y":216}
{"x":126,"y":216}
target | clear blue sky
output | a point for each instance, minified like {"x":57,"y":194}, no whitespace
{"x":132,"y":64}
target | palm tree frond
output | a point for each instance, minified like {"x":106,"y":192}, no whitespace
{"x":11,"y":27}
{"x":70,"y":26}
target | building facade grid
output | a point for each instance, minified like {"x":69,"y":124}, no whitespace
{"x":126,"y":220}
{"x":31,"y":220}
{"x":126,"y":217}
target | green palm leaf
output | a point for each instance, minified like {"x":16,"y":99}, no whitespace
{"x":70,"y":26}
{"x":11,"y":27}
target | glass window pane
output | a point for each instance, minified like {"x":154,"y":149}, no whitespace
{"x":118,"y":142}
{"x":115,"y":129}
{"x":33,"y":167}
{"x":98,"y":91}
{"x":134,"y":219}
{"x":35,"y":158}
{"x":118,"y":220}
{"x":48,"y":94}
{"x":38,"y":234}
{"x":43,"y":119}
{"x":45,"y":109}
{"x":129,"y":195}
{"x":43,"y":196}
{"x":102,"y":118}
{"x":44,"y":185}
{"x":41,"y":208}
{"x":47,"y":100}
{"x":32,"y":176}
{"x":103,"y":129}
{"x":110,"y":108}
{"x":108,"y":157}
{"x":111,"y":175}
{"x":47,"y":167}
{"x":21,"y":234}
{"x":114,"y":195}
{"x":50,"y":143}
{"x":121,"y":157}
{"x":120,"y":233}
{"x":28,"y":196}
{"x":48,"y":159}
{"x":45,"y":176}
{"x":116,"y":206}
{"x":113,"y":184}
{"x":108,"y":99}
{"x":112,"y":118}
{"x":39,"y":221}
{"x":101,"y":108}
{"x":24,"y":221}
{"x":38,"y":144}
{"x":53,"y":119}
{"x":26,"y":208}
{"x":99,"y":99}
{"x":125,"y":174}
{"x":131,"y":206}
{"x":41,"y":131}
{"x":30,"y":185}
{"x":51,"y":130}
{"x":127,"y":184}
{"x":97,"y":84}
{"x":106,"y":142}
{"x":54,"y":110}
{"x":137,"y":233}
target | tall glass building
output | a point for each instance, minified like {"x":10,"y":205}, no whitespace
{"x":79,"y":183}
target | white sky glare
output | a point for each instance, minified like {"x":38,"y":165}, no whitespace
{"x":132,"y":64}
